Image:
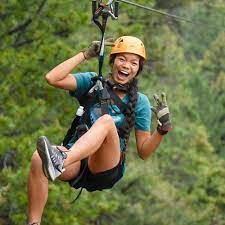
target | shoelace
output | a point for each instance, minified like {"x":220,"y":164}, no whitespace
{"x":57,"y":158}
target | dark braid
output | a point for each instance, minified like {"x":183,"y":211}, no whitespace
{"x":130,"y":113}
{"x":132,"y":96}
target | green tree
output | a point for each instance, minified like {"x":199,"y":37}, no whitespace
{"x":183,"y":182}
{"x":210,"y":81}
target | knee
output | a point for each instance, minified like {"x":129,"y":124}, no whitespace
{"x":107,"y":120}
{"x":36,"y":163}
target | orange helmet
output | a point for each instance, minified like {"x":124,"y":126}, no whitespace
{"x":129,"y":44}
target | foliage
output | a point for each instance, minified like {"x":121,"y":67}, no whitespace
{"x":183,"y":182}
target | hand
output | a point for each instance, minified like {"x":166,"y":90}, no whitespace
{"x":94,"y":48}
{"x":162,"y":113}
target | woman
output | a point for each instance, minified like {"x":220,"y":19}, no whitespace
{"x":96,"y":160}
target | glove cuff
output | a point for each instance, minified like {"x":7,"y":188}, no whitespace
{"x":161,"y":132}
{"x":84,"y":51}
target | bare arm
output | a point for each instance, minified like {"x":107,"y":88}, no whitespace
{"x":60,"y":76}
{"x":147,"y":143}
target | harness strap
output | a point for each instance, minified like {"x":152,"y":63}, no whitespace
{"x":85,"y":101}
{"x":78,"y":195}
{"x":89,"y":99}
{"x":104,"y":100}
{"x":122,"y":106}
{"x":71,"y":131}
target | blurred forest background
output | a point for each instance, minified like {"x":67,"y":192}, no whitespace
{"x":183,"y":182}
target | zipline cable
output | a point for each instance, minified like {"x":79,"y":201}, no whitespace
{"x":175,"y":17}
{"x":158,"y":11}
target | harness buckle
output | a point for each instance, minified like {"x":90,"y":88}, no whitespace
{"x":81,"y":130}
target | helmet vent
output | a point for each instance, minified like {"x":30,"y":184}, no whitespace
{"x":120,"y":43}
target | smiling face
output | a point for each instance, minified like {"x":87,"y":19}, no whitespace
{"x":125,"y":67}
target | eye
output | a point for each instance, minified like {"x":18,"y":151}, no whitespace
{"x":134,"y":63}
{"x":121,"y":59}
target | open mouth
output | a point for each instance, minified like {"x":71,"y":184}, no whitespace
{"x":123,"y":74}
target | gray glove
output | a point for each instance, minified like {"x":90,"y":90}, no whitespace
{"x":162,"y":113}
{"x":94,"y":48}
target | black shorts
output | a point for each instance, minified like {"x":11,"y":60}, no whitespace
{"x":99,"y":181}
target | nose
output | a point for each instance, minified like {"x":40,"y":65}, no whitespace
{"x":125,"y":65}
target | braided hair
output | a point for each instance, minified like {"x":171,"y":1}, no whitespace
{"x":125,"y":129}
{"x":132,"y":93}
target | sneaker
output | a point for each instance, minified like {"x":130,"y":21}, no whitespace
{"x":52,"y":158}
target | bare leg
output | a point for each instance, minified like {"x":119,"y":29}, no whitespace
{"x":38,"y":187}
{"x":100,"y":143}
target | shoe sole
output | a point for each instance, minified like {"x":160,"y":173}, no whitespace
{"x":42,"y":148}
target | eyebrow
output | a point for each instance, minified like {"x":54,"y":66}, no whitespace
{"x":130,"y":60}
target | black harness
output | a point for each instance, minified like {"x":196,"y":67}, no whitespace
{"x":101,"y":90}
{"x":107,"y":96}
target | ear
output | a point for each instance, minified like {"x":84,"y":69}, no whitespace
{"x":112,"y":59}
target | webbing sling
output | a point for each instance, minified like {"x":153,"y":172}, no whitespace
{"x":88,"y":100}
{"x":103,"y":10}
{"x":122,"y":106}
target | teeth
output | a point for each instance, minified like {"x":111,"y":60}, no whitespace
{"x":124,"y":72}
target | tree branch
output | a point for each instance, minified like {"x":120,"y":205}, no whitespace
{"x":20,"y":27}
{"x":22,"y":43}
{"x":23,"y":26}
{"x":41,"y":6}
